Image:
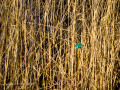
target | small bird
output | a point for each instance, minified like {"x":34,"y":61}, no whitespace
{"x":78,"y":45}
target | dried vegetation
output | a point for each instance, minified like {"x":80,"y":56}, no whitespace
{"x":38,"y":38}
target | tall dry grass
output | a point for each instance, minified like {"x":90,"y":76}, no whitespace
{"x":38,"y":38}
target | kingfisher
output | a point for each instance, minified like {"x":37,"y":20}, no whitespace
{"x":78,"y":45}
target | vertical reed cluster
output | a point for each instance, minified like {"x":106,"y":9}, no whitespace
{"x":38,"y":38}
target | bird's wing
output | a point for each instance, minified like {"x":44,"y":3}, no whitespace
{"x":76,"y":45}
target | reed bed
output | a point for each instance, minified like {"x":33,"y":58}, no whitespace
{"x":38,"y":38}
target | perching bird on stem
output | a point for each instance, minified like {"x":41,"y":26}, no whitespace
{"x":78,"y":45}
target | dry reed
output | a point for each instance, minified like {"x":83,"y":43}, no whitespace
{"x":38,"y":38}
